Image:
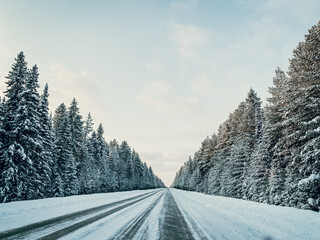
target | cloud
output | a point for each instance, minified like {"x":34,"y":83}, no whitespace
{"x":189,"y":39}
{"x":184,"y":4}
{"x":65,"y":80}
{"x":159,"y":96}
{"x":202,"y":85}
{"x":65,"y":84}
{"x":154,"y":66}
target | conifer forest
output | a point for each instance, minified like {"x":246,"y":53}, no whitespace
{"x":220,"y":98}
{"x":271,"y":153}
{"x":43,"y":156}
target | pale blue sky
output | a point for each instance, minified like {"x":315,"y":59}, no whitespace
{"x":161,"y":74}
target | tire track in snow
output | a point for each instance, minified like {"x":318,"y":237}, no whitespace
{"x":130,"y":231}
{"x":25,"y":231}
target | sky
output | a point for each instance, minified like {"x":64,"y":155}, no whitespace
{"x":162,"y":75}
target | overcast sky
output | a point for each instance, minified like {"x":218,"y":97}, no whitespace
{"x":160,"y":74}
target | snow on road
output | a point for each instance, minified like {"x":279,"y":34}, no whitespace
{"x":229,"y":218}
{"x":17,"y":214}
{"x":113,"y":226}
{"x":164,"y":214}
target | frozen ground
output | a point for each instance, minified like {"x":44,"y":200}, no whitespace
{"x":16,"y":214}
{"x":229,"y":218}
{"x":154,"y":214}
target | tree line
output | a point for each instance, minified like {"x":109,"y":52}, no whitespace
{"x":268,"y":154}
{"x":43,"y":156}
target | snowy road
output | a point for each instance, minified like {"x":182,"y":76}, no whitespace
{"x":154,"y":214}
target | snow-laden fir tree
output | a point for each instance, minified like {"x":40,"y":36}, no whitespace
{"x":87,"y":128}
{"x":103,"y":150}
{"x":138,"y":171}
{"x":126,"y":171}
{"x":303,"y":120}
{"x":47,"y":136}
{"x":65,"y":160}
{"x":275,"y":118}
{"x":33,"y":141}
{"x":58,"y":117}
{"x":113,"y":158}
{"x":18,"y":170}
{"x":91,"y":162}
{"x":86,"y":166}
{"x":76,"y":127}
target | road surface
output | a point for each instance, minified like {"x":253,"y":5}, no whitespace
{"x":171,"y":214}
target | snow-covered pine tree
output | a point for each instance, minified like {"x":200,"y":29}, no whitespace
{"x":187,"y":173}
{"x":103,"y":159}
{"x":251,"y":132}
{"x":259,"y":169}
{"x":275,"y":119}
{"x":239,"y":158}
{"x":214,"y":176}
{"x":18,"y":169}
{"x":85,"y":170}
{"x":47,"y":136}
{"x":58,"y":117}
{"x":138,"y":171}
{"x":65,"y":160}
{"x":86,"y":167}
{"x":112,"y":167}
{"x":126,"y":173}
{"x":76,"y":126}
{"x":151,"y":177}
{"x":31,"y":139}
{"x":252,"y":117}
{"x":87,"y":128}
{"x":56,"y":189}
{"x":195,"y":179}
{"x":303,"y":113}
{"x":93,"y":162}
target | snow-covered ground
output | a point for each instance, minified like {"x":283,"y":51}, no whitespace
{"x":155,"y":217}
{"x":17,"y":214}
{"x":229,"y":218}
{"x":113,"y":226}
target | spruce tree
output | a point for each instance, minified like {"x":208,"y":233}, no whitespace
{"x":47,"y":136}
{"x":76,"y":126}
{"x":302,"y":127}
{"x":31,"y":139}
{"x":137,"y":170}
{"x":58,"y":117}
{"x":259,"y":169}
{"x":56,"y":189}
{"x":65,"y":160}
{"x":87,"y":128}
{"x":126,"y":173}
{"x":102,"y":149}
{"x":17,"y":180}
{"x":111,"y":163}
{"x":93,"y":161}
{"x":86,"y":169}
{"x":274,"y":136}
